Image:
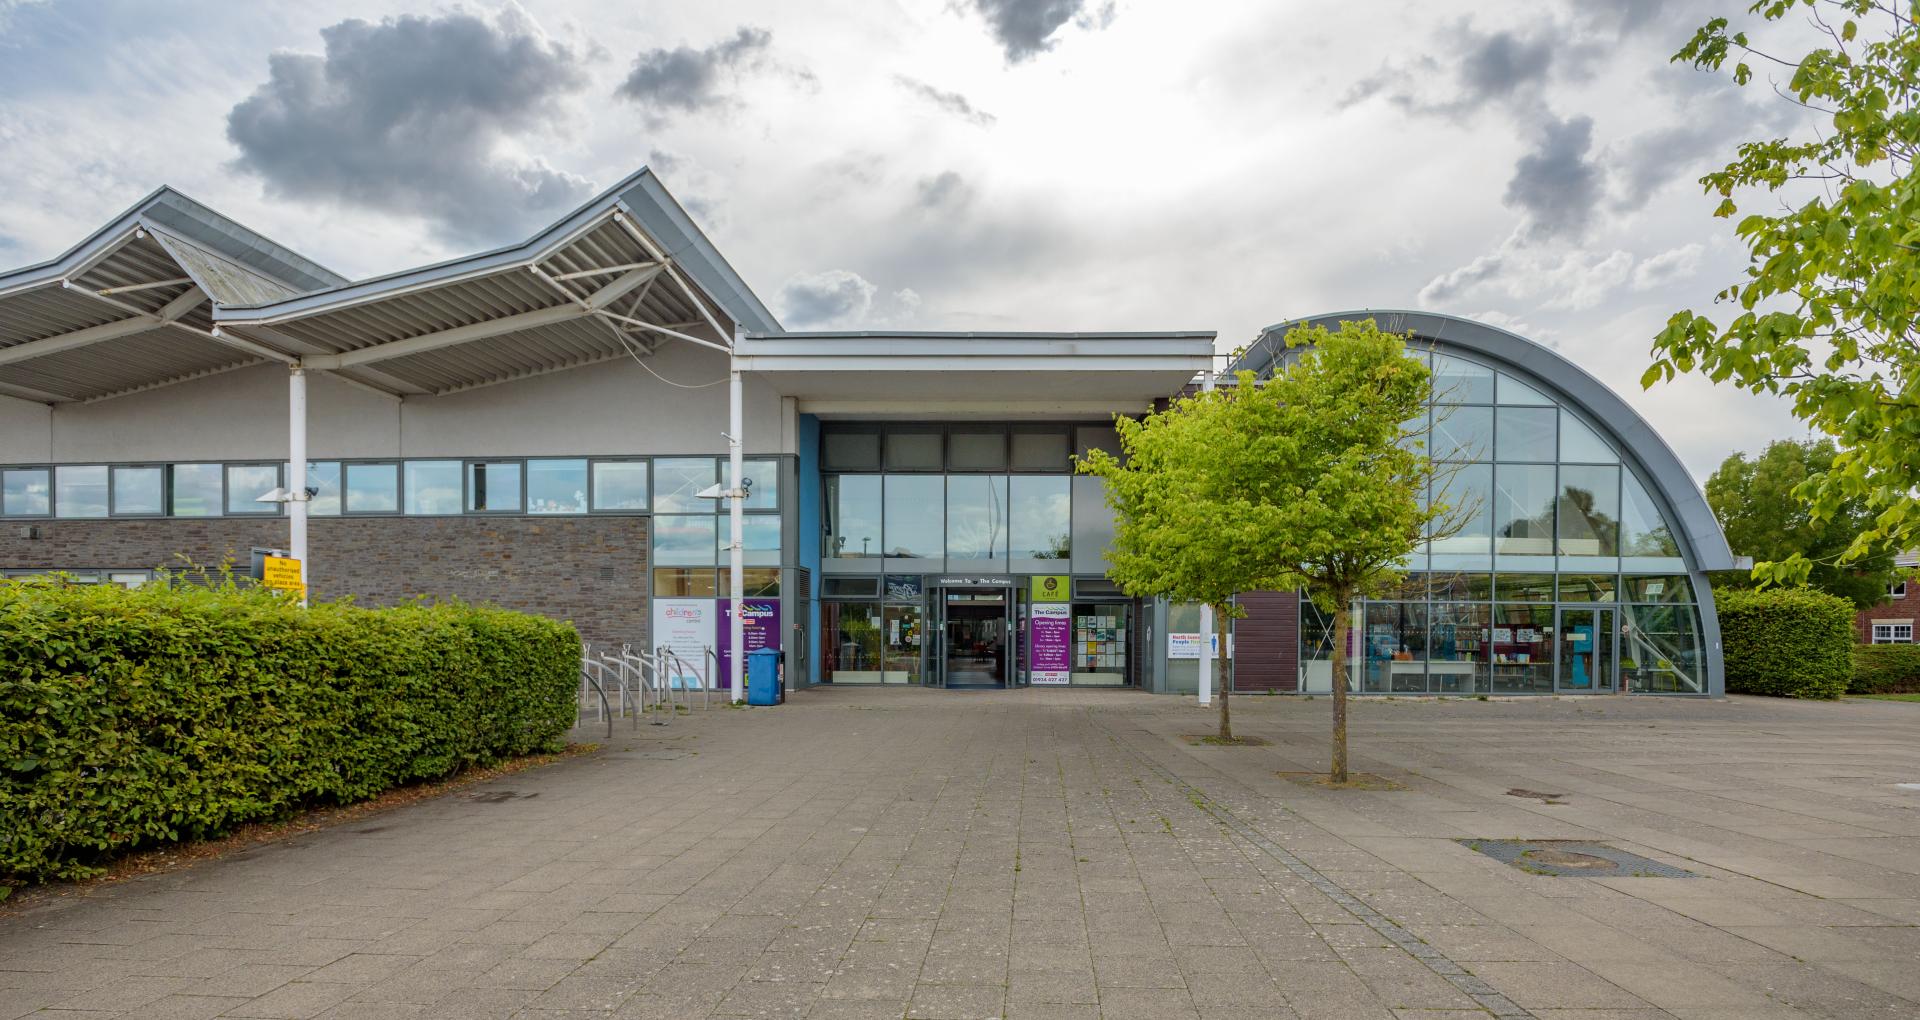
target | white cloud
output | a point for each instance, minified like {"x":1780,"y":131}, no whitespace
{"x":1668,"y":266}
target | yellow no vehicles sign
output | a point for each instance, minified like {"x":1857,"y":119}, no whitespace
{"x":282,"y":572}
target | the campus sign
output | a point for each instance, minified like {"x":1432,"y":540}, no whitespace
{"x":759,"y":628}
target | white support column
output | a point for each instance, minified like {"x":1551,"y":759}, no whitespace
{"x":736,"y":521}
{"x":297,"y":472}
{"x":1206,"y":612}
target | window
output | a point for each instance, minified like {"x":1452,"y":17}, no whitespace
{"x":1897,"y":590}
{"x":433,"y":487}
{"x":678,"y":483}
{"x":619,"y":485}
{"x":977,"y":451}
{"x":1098,"y":437}
{"x":684,"y":582}
{"x":851,"y":451}
{"x":1092,"y":525}
{"x":1462,"y":433}
{"x":26,"y":492}
{"x":755,"y":582}
{"x":1040,"y":515}
{"x":1523,"y":506}
{"x":493,"y":487}
{"x":764,"y":491}
{"x":1466,"y":491}
{"x":1524,"y":434}
{"x":759,"y":539}
{"x":246,"y":483}
{"x":853,"y":516}
{"x":1581,"y":445}
{"x":1893,"y":633}
{"x":80,"y":491}
{"x":1513,"y":391}
{"x":1456,"y":381}
{"x":850,"y":644}
{"x":195,"y":490}
{"x":373,"y":488}
{"x":1662,"y":588}
{"x":914,"y":519}
{"x":1644,"y":531}
{"x":323,"y":477}
{"x":556,"y":486}
{"x":914,"y":451}
{"x":1589,"y":511}
{"x":1588,"y":588}
{"x":138,"y":491}
{"x":852,"y":587}
{"x":977,"y":517}
{"x":1040,"y":451}
{"x":685,"y":539}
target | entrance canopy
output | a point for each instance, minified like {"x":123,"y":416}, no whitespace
{"x":946,"y":375}
{"x":172,"y":291}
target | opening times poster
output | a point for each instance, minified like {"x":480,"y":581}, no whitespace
{"x":759,"y":628}
{"x":1050,"y":643}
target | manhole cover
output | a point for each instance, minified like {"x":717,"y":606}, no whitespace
{"x":1566,"y":858}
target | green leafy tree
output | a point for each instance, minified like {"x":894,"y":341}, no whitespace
{"x":1311,"y":480}
{"x":1825,"y":314}
{"x":1755,"y":504}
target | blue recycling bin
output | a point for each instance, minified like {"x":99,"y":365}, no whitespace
{"x":763,"y":676}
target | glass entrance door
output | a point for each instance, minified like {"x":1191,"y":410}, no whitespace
{"x":1587,"y":655}
{"x":974,"y":644}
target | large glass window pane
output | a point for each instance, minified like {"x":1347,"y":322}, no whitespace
{"x":977,"y":451}
{"x":759,"y":539}
{"x":1461,"y":433}
{"x":138,"y":490}
{"x":757,"y":582}
{"x":685,"y":539}
{"x":976,"y":517}
{"x":1040,"y":520}
{"x":1395,"y":647}
{"x":684,"y":583}
{"x":850,"y":651}
{"x":914,"y":521}
{"x":1092,"y":525}
{"x":323,"y":477}
{"x":1462,"y":587}
{"x":433,"y":487}
{"x":1589,"y":510}
{"x":914,"y":451}
{"x":1589,"y":588}
{"x":1581,"y":445}
{"x":246,"y":483}
{"x":1513,"y":391}
{"x":619,"y":485}
{"x":851,"y":451}
{"x":763,"y":493}
{"x":1523,"y":506}
{"x":195,"y":490}
{"x":1659,"y":588}
{"x":1040,"y":451}
{"x":1660,"y":650}
{"x":1523,"y":587}
{"x":1524,"y":434}
{"x":493,"y":487}
{"x":26,"y":492}
{"x":1456,"y":381}
{"x":557,"y":486}
{"x":900,"y":645}
{"x":1467,"y":491}
{"x":373,"y":488}
{"x":1458,"y":654}
{"x":678,"y":481}
{"x":1097,"y":437}
{"x":1646,"y":531}
{"x":1522,"y":645}
{"x":853,"y":516}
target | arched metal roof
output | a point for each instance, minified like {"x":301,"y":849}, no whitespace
{"x":1672,"y":485}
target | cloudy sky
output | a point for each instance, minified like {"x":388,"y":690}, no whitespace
{"x":948,"y":164}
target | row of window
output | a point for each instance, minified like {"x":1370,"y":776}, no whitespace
{"x":1545,"y":510}
{"x":543,"y":485}
{"x":1514,"y":435}
{"x":1445,"y":586}
{"x":977,"y":517}
{"x":1047,"y":449}
{"x":1893,"y":633}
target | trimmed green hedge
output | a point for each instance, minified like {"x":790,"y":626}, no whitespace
{"x":1790,"y":642}
{"x":1885,"y":669}
{"x":129,"y":718}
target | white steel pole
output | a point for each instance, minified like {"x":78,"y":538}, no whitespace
{"x":736,"y":564}
{"x":1206,"y":612}
{"x":297,"y":471}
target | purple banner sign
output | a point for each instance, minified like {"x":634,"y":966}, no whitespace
{"x":760,"y":628}
{"x":1050,"y":643}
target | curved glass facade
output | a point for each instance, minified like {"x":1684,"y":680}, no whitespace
{"x":1556,"y":571}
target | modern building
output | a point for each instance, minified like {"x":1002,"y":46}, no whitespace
{"x":546,"y":426}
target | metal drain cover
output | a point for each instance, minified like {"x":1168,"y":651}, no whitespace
{"x":1566,"y":858}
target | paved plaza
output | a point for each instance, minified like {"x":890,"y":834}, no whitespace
{"x":1065,"y":855}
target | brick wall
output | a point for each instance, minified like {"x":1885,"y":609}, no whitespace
{"x":590,"y":570}
{"x":1905,"y":609}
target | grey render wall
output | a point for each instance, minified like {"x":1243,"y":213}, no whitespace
{"x":612,"y":408}
{"x":590,"y":570}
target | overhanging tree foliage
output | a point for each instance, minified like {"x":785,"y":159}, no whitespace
{"x":1827,"y":308}
{"x":1754,"y":502}
{"x":1309,"y":480}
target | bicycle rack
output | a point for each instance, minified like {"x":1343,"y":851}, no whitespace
{"x":593,"y":676}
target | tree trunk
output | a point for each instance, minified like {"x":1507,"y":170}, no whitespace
{"x":1220,"y":674}
{"x":1338,"y":773}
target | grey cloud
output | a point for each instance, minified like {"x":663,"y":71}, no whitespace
{"x":686,"y":80}
{"x":1555,"y":184}
{"x":945,"y":190}
{"x":1025,"y":28}
{"x":1492,"y":68}
{"x":407,"y":116}
{"x":1449,"y":286}
{"x":831,"y":298}
{"x":952,"y":102}
{"x":1713,"y":118}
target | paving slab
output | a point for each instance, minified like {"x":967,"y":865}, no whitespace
{"x":1063,"y":854}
